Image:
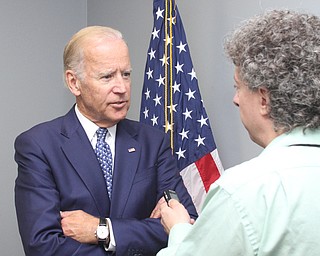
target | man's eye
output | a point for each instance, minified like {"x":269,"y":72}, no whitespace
{"x":127,"y":74}
{"x":107,"y":77}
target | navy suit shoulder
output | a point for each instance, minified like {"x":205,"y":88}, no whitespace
{"x":63,"y":125}
{"x":138,"y":128}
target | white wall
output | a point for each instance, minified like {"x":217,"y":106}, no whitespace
{"x":34,"y":32}
{"x":32,"y":36}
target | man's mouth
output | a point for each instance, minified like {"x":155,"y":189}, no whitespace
{"x":119,"y":104}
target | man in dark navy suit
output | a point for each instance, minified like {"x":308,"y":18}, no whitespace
{"x":63,"y":204}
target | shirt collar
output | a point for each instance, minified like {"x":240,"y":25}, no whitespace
{"x":90,"y":128}
{"x":296,"y":136}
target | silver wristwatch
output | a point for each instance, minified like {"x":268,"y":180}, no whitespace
{"x":103,"y":233}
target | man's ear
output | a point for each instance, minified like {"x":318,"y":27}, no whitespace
{"x":264,"y":100}
{"x":73,"y":82}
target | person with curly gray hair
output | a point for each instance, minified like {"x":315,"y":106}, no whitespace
{"x":269,"y":204}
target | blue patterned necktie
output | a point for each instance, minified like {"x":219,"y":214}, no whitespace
{"x":104,"y":157}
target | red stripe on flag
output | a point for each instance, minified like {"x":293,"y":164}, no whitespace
{"x":208,"y":170}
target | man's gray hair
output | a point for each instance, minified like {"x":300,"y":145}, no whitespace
{"x":280,"y":50}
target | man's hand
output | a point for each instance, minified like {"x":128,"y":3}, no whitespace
{"x":173,"y":214}
{"x":80,"y":226}
{"x":156,"y":211}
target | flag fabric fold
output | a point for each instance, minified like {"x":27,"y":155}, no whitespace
{"x":171,"y":101}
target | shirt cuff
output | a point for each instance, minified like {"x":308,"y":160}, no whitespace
{"x":112,"y":243}
{"x":178,"y":232}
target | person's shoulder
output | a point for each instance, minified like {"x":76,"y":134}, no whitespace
{"x":42,"y":128}
{"x":140,"y":127}
{"x":144,"y":133}
{"x":240,"y":175}
{"x":53,"y":125}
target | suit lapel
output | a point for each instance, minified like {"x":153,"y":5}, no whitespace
{"x":126,"y":161}
{"x":81,"y":155}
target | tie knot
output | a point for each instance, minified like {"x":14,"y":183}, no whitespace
{"x":101,"y":134}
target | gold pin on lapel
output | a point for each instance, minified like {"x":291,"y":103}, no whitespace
{"x":130,"y":150}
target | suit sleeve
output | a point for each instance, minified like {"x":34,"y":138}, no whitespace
{"x":37,"y":201}
{"x":146,"y":236}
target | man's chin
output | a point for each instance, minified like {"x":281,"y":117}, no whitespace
{"x":120,"y":117}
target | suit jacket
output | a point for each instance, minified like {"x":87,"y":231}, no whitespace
{"x":58,"y":171}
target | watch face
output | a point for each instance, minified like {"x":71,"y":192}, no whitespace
{"x":102,"y":232}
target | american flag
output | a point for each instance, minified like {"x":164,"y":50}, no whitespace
{"x":171,"y":101}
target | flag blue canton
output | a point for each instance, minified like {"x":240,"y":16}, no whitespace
{"x":171,"y":99}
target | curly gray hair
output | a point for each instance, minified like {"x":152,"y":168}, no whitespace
{"x":280,"y":50}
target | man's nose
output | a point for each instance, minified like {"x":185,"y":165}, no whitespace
{"x":120,"y":85}
{"x":235,"y":100}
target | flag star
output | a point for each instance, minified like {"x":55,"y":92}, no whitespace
{"x":190,"y":94}
{"x":203,"y":121}
{"x":168,"y":40}
{"x":179,"y":67}
{"x":159,"y":13}
{"x":200,"y":140}
{"x":145,"y":112}
{"x":149,"y":73}
{"x":192,"y":74}
{"x":187,"y":114}
{"x":154,"y":120}
{"x":181,"y":47}
{"x":184,"y":134}
{"x":157,"y":100}
{"x":172,"y":107}
{"x":168,"y":127}
{"x":152,"y":54}
{"x":180,"y":153}
{"x":147,"y":93}
{"x":176,"y":87}
{"x":164,"y":60}
{"x":155,"y":33}
{"x":173,"y":20}
{"x":160,"y":80}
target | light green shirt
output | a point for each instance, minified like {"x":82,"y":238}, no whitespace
{"x":269,"y":205}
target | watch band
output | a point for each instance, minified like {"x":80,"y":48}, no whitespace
{"x":103,"y":222}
